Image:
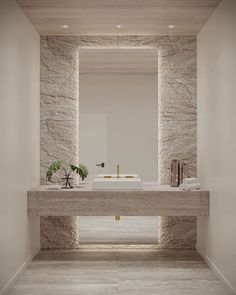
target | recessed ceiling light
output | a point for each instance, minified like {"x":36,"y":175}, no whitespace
{"x":119,"y":26}
{"x":171,"y":26}
{"x":64,"y":27}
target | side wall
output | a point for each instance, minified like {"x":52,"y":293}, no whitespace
{"x":217,"y":139}
{"x":19,"y":135}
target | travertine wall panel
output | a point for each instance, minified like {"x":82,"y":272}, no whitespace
{"x":177,"y":232}
{"x":143,"y":42}
{"x":59,"y":127}
{"x":59,"y":101}
{"x":177,"y":107}
{"x":97,"y":41}
{"x":177,"y":116}
{"x":59,"y":232}
{"x":176,"y":113}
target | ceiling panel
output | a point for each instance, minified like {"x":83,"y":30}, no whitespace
{"x":100,"y":17}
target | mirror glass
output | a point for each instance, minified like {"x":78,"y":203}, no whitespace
{"x":118,"y":111}
{"x":119,"y":124}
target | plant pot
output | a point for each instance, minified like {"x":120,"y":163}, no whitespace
{"x":67,"y":182}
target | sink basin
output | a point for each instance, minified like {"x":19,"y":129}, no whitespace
{"x":111,"y":182}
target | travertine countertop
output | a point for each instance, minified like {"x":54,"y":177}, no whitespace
{"x":88,"y":187}
{"x":152,"y":200}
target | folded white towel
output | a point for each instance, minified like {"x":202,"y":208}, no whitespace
{"x":190,"y":180}
{"x":189,"y":187}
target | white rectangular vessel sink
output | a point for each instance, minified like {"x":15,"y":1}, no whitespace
{"x":115,"y":176}
{"x":111,"y":182}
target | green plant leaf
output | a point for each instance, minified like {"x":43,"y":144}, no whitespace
{"x":53,"y":169}
{"x":81,"y":170}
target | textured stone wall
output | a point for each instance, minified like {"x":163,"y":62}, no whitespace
{"x":59,"y":127}
{"x":177,"y":104}
{"x":176,"y":115}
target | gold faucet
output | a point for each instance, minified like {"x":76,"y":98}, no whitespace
{"x":118,"y":171}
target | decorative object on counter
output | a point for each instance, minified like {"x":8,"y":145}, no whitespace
{"x":175,"y":173}
{"x":67,"y":178}
{"x":184,"y":171}
{"x":81,"y":170}
{"x":57,"y":165}
{"x":190,"y":184}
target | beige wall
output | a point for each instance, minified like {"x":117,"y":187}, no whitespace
{"x":217,"y":138}
{"x":19,"y":138}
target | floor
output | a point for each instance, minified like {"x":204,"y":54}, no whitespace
{"x":113,"y":272}
{"x":129,"y":230}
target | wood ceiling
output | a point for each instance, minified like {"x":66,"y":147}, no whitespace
{"x":118,"y":61}
{"x":100,"y":17}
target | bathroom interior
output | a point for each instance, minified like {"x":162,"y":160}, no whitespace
{"x":118,"y":145}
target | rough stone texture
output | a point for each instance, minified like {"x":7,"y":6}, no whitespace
{"x":177,"y":104}
{"x":176,"y":113}
{"x":59,"y":127}
{"x":138,"y":42}
{"x":177,"y":232}
{"x":97,"y":41}
{"x":59,"y":103}
{"x":177,"y":107}
{"x":59,"y":232}
{"x":177,"y":140}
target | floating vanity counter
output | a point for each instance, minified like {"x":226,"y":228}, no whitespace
{"x":151,"y":200}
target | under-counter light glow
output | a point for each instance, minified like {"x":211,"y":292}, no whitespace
{"x":171,"y":26}
{"x":65,"y":27}
{"x":118,"y":26}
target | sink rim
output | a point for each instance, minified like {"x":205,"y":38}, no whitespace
{"x":117,"y":183}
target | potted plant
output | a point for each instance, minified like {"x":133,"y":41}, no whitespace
{"x":59,"y":164}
